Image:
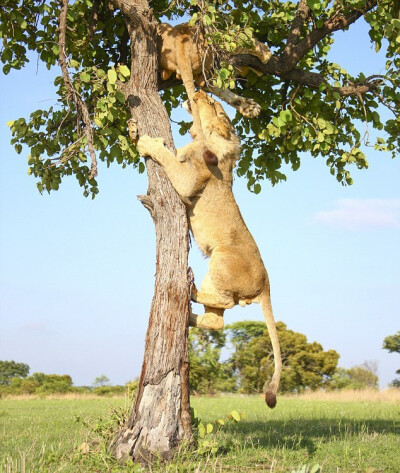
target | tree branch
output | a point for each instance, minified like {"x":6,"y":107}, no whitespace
{"x":302,"y":14}
{"x":72,"y":94}
{"x":310,"y":79}
{"x":293,"y":53}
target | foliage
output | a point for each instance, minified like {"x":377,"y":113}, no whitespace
{"x":207,"y":373}
{"x":109,"y":390}
{"x":10,"y":370}
{"x":305,"y":365}
{"x":101,"y":380}
{"x":392,"y":344}
{"x":310,"y":104}
{"x":207,"y":435}
{"x":39,"y":383}
{"x":358,"y":377}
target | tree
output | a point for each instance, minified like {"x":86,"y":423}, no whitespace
{"x":207,"y":373}
{"x":108,"y":58}
{"x":10,"y":370}
{"x":101,"y":380}
{"x":392,"y":344}
{"x":305,"y":365}
{"x":358,"y":377}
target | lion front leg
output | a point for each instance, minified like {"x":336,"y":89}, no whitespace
{"x":152,"y":147}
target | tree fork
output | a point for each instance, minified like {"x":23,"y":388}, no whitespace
{"x":160,"y":418}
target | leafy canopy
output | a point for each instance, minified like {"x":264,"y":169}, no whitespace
{"x":392,"y":344}
{"x":305,"y":364}
{"x":12,"y":369}
{"x":309,"y":104}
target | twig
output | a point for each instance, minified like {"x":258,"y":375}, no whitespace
{"x":71,"y":92}
{"x":365,"y":138}
{"x":297,"y":113}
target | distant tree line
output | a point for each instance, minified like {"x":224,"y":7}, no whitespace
{"x":14,"y":380}
{"x":306,"y":366}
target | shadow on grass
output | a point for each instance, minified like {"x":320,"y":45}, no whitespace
{"x":308,"y":433}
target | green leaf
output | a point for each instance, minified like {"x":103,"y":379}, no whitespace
{"x":112,"y":76}
{"x":124,"y":71}
{"x":202,"y":431}
{"x":209,"y":428}
{"x":235,"y":414}
{"x":85,"y":77}
{"x":207,"y":20}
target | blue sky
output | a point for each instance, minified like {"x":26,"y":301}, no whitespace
{"x":77,"y":276}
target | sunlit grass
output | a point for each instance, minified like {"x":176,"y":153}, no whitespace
{"x":341,"y":435}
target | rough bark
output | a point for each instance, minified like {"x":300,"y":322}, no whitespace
{"x":160,"y":419}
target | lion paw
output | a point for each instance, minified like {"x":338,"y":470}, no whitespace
{"x":146,"y":144}
{"x":249,"y":108}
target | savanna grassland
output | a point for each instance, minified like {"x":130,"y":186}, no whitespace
{"x":340,"y":433}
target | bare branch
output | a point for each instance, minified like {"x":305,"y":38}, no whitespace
{"x":72,"y":94}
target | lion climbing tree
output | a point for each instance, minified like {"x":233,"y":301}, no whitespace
{"x":109,"y":89}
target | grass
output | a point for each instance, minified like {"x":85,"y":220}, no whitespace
{"x":342,"y":435}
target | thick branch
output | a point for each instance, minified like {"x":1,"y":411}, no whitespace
{"x":293,"y":53}
{"x":310,"y":79}
{"x":302,"y":14}
{"x":72,"y":94}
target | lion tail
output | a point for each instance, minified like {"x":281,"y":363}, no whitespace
{"x":271,"y":388}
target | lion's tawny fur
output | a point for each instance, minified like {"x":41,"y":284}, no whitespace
{"x":236,"y":271}
{"x":185,"y":53}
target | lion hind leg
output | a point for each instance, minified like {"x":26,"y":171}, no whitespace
{"x":209,"y":296}
{"x":212,"y":319}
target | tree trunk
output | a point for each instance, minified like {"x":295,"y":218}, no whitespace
{"x":160,"y":418}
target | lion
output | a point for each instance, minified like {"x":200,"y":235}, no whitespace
{"x":183,"y":52}
{"x":237,"y":274}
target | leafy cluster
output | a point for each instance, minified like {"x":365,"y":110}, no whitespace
{"x":206,"y":434}
{"x":40,"y":384}
{"x":310,"y":112}
{"x":10,"y":370}
{"x":357,"y":377}
{"x":391,"y":343}
{"x":298,"y":117}
{"x":306,"y":365}
{"x":57,"y":146}
{"x":207,"y":373}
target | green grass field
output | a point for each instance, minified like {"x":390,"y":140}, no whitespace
{"x":44,"y":436}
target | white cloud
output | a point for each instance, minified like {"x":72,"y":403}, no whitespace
{"x":356,"y":214}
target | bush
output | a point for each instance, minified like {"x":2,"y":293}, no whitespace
{"x":109,"y":390}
